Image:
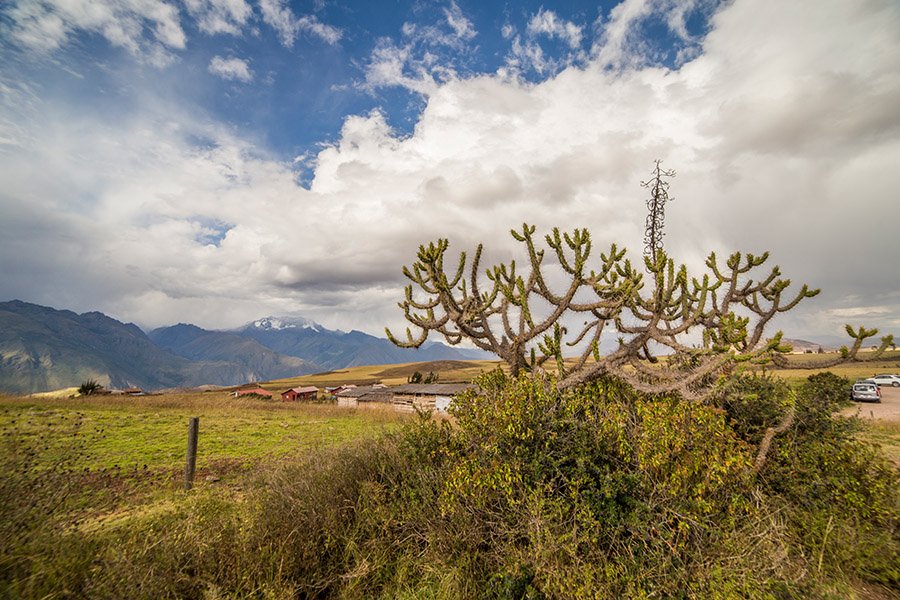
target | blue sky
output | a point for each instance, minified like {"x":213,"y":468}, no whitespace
{"x":212,"y":161}
{"x":290,"y":86}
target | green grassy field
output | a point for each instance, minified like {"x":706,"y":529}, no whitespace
{"x":88,"y":479}
{"x":151,"y":431}
{"x":113,"y":451}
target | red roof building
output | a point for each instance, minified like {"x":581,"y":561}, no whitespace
{"x":300,"y":393}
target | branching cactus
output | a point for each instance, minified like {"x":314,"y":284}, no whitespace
{"x":671,"y":331}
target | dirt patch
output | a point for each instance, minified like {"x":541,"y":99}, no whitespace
{"x":871,"y":591}
{"x":435,"y":366}
{"x":888,"y":409}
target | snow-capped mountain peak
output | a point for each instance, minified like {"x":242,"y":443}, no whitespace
{"x":278,"y":323}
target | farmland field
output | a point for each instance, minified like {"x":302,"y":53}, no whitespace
{"x":448,"y":371}
{"x":74,"y":470}
{"x":148,"y":433}
{"x":82,"y":476}
{"x":465,"y":370}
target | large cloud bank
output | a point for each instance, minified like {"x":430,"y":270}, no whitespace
{"x":784,"y":129}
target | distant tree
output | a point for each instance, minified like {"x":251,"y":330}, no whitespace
{"x":414,"y":378}
{"x":89,"y":387}
{"x":432,"y":377}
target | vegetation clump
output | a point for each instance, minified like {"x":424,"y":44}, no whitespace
{"x":89,"y":387}
{"x":597,"y":492}
{"x":417,"y":377}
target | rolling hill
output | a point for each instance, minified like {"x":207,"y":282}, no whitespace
{"x":42,"y":348}
{"x":331,"y":349}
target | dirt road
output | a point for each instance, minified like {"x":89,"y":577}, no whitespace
{"x":888,"y":409}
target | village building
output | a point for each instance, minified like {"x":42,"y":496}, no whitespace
{"x":364,"y":395}
{"x":334,"y":391}
{"x":308,"y":393}
{"x":435,"y":397}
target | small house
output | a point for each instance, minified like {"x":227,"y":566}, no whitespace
{"x":334,"y":391}
{"x":435,"y":397}
{"x":364,"y":395}
{"x":300,"y":393}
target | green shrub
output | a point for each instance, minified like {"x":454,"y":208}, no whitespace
{"x":754,"y":403}
{"x":89,"y":387}
{"x":597,"y":492}
{"x":818,"y":398}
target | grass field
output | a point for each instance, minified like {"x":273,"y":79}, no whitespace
{"x":149,"y":432}
{"x":131,"y":450}
{"x":77,"y":470}
{"x":136,"y":431}
{"x":885,"y":434}
{"x":889,"y":362}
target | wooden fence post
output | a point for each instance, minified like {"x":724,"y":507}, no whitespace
{"x":193,"y":432}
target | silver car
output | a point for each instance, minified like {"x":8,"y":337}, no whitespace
{"x":865,"y":392}
{"x":892,"y":380}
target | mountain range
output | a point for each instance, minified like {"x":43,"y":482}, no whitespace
{"x":42,"y":348}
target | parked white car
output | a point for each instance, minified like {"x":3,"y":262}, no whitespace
{"x":892,"y":380}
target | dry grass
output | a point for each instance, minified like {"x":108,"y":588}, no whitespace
{"x":888,"y":363}
{"x":63,"y":393}
{"x":887,"y":435}
{"x":448,"y":371}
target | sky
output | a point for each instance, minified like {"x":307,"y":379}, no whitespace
{"x":215,"y":161}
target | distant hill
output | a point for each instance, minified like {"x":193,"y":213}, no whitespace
{"x":804,"y":345}
{"x":310,"y":341}
{"x":42,"y":348}
{"x":194,"y":343}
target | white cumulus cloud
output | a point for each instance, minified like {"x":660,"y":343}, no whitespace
{"x":150,"y":30}
{"x":621,"y":43}
{"x":278,"y":15}
{"x":527,"y":53}
{"x":425,"y":57}
{"x":231,"y":69}
{"x":780,"y":136}
{"x":548,"y":23}
{"x":220,"y":16}
{"x":461,"y":25}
